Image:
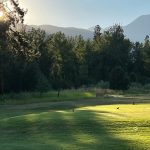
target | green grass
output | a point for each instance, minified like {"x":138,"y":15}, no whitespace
{"x":35,"y":97}
{"x":96,"y":123}
{"x":71,"y":95}
{"x":88,"y":128}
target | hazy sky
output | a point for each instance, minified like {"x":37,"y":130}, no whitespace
{"x":84,"y":13}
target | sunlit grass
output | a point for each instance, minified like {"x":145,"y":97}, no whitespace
{"x":88,"y":128}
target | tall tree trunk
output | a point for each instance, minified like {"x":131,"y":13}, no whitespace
{"x":58,"y":94}
{"x":1,"y":84}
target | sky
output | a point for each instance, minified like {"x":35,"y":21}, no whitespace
{"x":84,"y":13}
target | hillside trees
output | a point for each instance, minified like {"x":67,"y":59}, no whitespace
{"x":8,"y":21}
{"x":111,"y":50}
{"x":136,"y":65}
{"x":18,"y":50}
{"x":97,"y":33}
{"x":146,"y":59}
{"x":118,"y":48}
{"x":31,"y":60}
{"x":81,"y":68}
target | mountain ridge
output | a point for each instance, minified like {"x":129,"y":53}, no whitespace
{"x":135,"y":31}
{"x":68,"y":31}
{"x":138,"y":29}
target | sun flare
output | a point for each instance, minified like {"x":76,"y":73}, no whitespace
{"x":1,"y":14}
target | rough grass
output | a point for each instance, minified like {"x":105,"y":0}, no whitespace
{"x":35,"y":97}
{"x":88,"y":128}
{"x":71,"y":95}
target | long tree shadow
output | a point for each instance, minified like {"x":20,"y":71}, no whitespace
{"x":61,"y":130}
{"x":98,"y":129}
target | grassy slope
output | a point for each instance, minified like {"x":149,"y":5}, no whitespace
{"x":88,"y":128}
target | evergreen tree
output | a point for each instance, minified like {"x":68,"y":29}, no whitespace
{"x":119,"y":79}
{"x":97,"y":33}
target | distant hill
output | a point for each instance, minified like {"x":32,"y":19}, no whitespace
{"x":68,"y":31}
{"x":135,"y":31}
{"x":138,"y":29}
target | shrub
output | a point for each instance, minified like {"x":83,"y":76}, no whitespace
{"x":135,"y":86}
{"x":147,"y":86}
{"x":104,"y":85}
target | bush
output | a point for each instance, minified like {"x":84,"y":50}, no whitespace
{"x":119,"y":79}
{"x":103,"y":85}
{"x":135,"y":86}
{"x":147,"y":86}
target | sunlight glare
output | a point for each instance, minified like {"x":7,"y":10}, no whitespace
{"x":1,"y":14}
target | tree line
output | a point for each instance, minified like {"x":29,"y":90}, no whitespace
{"x":31,"y":60}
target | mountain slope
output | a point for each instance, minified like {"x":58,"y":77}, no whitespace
{"x":138,"y":29}
{"x":70,"y":31}
{"x":135,"y":31}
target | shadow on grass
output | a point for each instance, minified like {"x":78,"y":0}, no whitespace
{"x":61,"y":130}
{"x":77,"y":103}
